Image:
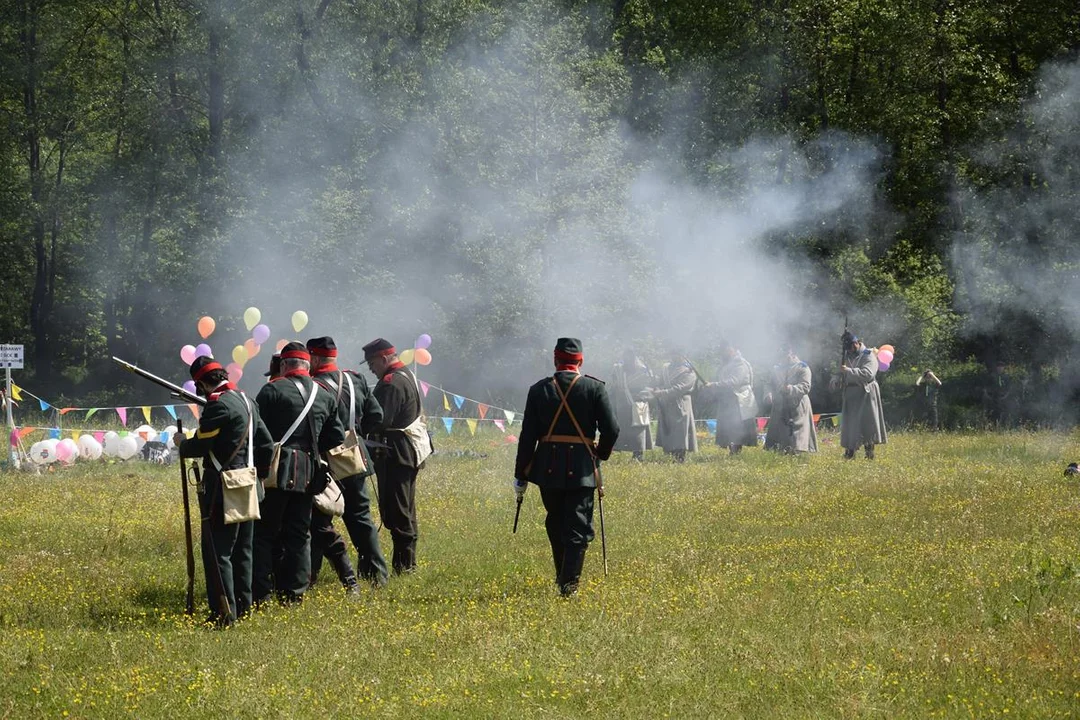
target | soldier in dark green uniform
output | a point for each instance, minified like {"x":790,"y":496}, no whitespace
{"x":358,"y":406}
{"x":558,"y":451}
{"x":223,"y":432}
{"x":397,"y":465}
{"x":284,"y":531}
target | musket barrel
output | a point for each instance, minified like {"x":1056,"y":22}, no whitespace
{"x":174,"y":389}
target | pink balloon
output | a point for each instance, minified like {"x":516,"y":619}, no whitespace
{"x":260,"y":334}
{"x":63,"y":452}
{"x":423,"y":342}
{"x":235,"y":372}
{"x":190,"y":386}
{"x":203,"y":350}
{"x":187,"y":354}
{"x":885,"y":356}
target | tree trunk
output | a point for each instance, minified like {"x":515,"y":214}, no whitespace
{"x":216,"y":102}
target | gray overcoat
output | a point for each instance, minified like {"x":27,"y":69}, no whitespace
{"x":791,"y":424}
{"x":862,"y":421}
{"x":629,"y":395}
{"x":675,"y":408}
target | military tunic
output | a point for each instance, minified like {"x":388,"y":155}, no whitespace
{"x":791,"y":423}
{"x":283,"y":535}
{"x":371,"y":564}
{"x":565,"y":469}
{"x":226,"y":549}
{"x":862,"y":421}
{"x":631,"y":386}
{"x":396,"y":465}
{"x":675,"y":430}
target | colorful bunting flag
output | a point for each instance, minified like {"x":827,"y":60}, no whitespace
{"x":711,"y":424}
{"x":16,"y":392}
{"x":122,"y":412}
{"x":500,"y":424}
{"x":65,"y":411}
{"x":817,"y":418}
{"x":482,"y":408}
{"x":449,"y":423}
{"x":75,"y":435}
{"x":761,"y":423}
{"x":54,"y":433}
{"x":23,"y":432}
{"x":458,"y":400}
{"x":146,"y":413}
{"x":13,"y":439}
{"x":424,"y":387}
{"x":99,"y":436}
{"x":171,"y":409}
{"x":44,"y":405}
{"x":445,"y":402}
{"x":509,"y":416}
{"x":91,"y":412}
{"x":194,"y":410}
{"x":472,"y":425}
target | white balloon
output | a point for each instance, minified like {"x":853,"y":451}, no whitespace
{"x":112,"y":444}
{"x":43,"y":452}
{"x":89,"y":447}
{"x":144,"y":434}
{"x":69,"y":450}
{"x":127,"y":447}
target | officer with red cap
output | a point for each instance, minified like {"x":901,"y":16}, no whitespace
{"x":302,"y":419}
{"x":356,"y":404}
{"x":223,"y":435}
{"x":398,"y":464}
{"x":558,"y":451}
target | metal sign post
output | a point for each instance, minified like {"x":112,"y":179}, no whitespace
{"x":11,"y":356}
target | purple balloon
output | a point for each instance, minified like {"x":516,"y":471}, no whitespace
{"x":883,"y":366}
{"x":260,"y":334}
{"x":189,"y":385}
{"x":203,"y":349}
{"x":423,"y":342}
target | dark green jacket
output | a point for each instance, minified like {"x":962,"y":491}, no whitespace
{"x":280,"y":403}
{"x":222,"y":429}
{"x":369,"y":413}
{"x":399,"y":398}
{"x":559,"y":465}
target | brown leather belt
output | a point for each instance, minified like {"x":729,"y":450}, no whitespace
{"x":568,"y":439}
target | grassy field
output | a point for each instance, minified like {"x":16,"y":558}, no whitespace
{"x":938,"y":581}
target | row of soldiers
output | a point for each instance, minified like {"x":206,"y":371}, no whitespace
{"x":304,"y":412}
{"x":673,"y":390}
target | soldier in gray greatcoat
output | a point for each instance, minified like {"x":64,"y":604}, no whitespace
{"x":791,"y":422}
{"x":675,"y":428}
{"x":736,"y":411}
{"x":630,"y":385}
{"x":862,"y":422}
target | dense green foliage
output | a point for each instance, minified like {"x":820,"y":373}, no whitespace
{"x":153,"y":150}
{"x":938,"y":581}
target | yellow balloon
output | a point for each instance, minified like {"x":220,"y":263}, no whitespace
{"x":406,"y":356}
{"x":239,"y":355}
{"x":252,"y":317}
{"x":299,"y":320}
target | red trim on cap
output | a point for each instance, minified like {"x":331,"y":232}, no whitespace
{"x":296,"y":355}
{"x":207,"y":368}
{"x":384,"y":353}
{"x":323,"y":352}
{"x":568,"y":357}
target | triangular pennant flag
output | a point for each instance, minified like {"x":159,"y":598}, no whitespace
{"x":711,"y":424}
{"x":836,"y":420}
{"x":124,"y":433}
{"x":194,"y":410}
{"x":23,"y":432}
{"x":500,"y":424}
{"x":54,"y":433}
{"x":91,"y":412}
{"x":761,"y":423}
{"x":817,"y":418}
{"x":449,"y":423}
{"x":482,"y":408}
{"x":458,"y":400}
{"x":509,"y":416}
{"x":13,"y":439}
{"x":472,"y":425}
{"x":171,"y":409}
{"x":424,"y":387}
{"x":44,"y":405}
{"x":122,"y":412}
{"x":146,"y":413}
{"x":145,"y":436}
{"x":75,"y":435}
{"x":100,"y":436}
{"x":445,"y":402}
{"x":65,"y":411}
{"x":16,"y":392}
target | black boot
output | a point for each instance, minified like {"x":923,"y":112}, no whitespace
{"x":869,"y":448}
{"x":345,"y":572}
{"x":849,"y":454}
{"x":557,"y":554}
{"x":573,"y":561}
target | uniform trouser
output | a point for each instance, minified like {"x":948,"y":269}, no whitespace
{"x":370,"y":565}
{"x":285,"y":528}
{"x":568,"y":523}
{"x":226,"y":556}
{"x":397,"y":505}
{"x":326,"y":542}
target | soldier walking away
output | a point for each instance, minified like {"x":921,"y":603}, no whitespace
{"x":862,"y":422}
{"x":359,"y":411}
{"x":398,"y":464}
{"x":736,"y":413}
{"x":558,"y":452}
{"x":931,"y":386}
{"x":223,"y":436}
{"x":302,"y":419}
{"x":791,"y":421}
{"x":631,"y":381}
{"x":675,"y":430}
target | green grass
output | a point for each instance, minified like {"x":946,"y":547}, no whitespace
{"x":938,"y":581}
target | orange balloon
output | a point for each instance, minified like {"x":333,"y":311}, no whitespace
{"x":206,"y":326}
{"x":423,"y":357}
{"x":280,"y":344}
{"x":890,"y":348}
{"x":252,"y":347}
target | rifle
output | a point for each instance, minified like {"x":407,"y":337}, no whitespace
{"x":225,"y":610}
{"x":190,"y":599}
{"x":175,"y":390}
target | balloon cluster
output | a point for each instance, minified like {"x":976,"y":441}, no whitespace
{"x":419,"y":352}
{"x":260,"y":334}
{"x":124,"y":445}
{"x":885,"y":355}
